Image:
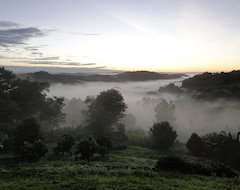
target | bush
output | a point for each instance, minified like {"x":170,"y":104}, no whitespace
{"x":32,"y":152}
{"x":171,"y":163}
{"x":65,"y":145}
{"x":26,"y":131}
{"x":176,"y":164}
{"x":162,"y":136}
{"x":105,"y":142}
{"x":221,"y":170}
{"x":87,"y":147}
{"x":195,"y":145}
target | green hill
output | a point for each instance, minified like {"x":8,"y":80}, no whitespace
{"x":126,"y":169}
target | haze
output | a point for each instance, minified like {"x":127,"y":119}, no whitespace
{"x":190,"y":115}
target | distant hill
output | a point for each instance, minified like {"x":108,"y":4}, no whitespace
{"x":78,"y":78}
{"x":214,"y":85}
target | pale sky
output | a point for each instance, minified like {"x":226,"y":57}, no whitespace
{"x":154,"y":35}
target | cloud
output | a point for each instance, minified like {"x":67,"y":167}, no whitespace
{"x":16,"y":36}
{"x":51,"y":61}
{"x":48,"y":58}
{"x":8,"y":24}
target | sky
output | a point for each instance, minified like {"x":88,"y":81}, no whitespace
{"x":153,"y":35}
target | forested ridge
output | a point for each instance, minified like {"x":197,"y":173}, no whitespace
{"x":215,"y":85}
{"x":78,"y":78}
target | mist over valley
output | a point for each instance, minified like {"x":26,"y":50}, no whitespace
{"x":190,"y":114}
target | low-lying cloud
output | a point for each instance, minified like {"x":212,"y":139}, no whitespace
{"x":190,"y":115}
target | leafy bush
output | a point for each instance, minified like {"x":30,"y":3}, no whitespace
{"x":221,"y":170}
{"x":162,"y":136}
{"x":87,"y":147}
{"x":65,"y":145}
{"x":195,"y":145}
{"x":26,"y":131}
{"x":104,"y":142}
{"x":3,"y":139}
{"x":173,"y":163}
{"x":32,"y":152}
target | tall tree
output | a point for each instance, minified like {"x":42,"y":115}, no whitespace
{"x":104,"y":111}
{"x":162,"y":136}
{"x":164,"y":111}
{"x":52,"y":112}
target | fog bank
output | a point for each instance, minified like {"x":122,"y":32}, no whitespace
{"x":190,"y":115}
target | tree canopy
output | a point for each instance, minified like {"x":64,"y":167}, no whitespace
{"x":104,"y":111}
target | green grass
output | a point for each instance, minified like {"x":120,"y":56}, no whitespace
{"x":128,"y":169}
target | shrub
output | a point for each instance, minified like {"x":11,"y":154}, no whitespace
{"x":32,"y":152}
{"x":104,"y":142}
{"x":26,"y":131}
{"x":87,"y":147}
{"x":195,"y":145}
{"x":162,"y":136}
{"x":221,"y":170}
{"x":65,"y":145}
{"x":176,"y":164}
{"x":169,"y":163}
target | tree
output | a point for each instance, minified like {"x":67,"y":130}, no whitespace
{"x":3,"y":139}
{"x":104,"y":111}
{"x":32,"y":152}
{"x":26,"y":131}
{"x":162,"y":136}
{"x":20,"y":98}
{"x":52,"y":111}
{"x":65,"y":145}
{"x":195,"y":145}
{"x":8,"y":108}
{"x":87,"y":147}
{"x":165,"y":111}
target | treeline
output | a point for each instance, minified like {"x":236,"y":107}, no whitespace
{"x":214,"y":85}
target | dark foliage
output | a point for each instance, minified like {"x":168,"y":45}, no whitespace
{"x":87,"y":147}
{"x":176,"y":164}
{"x":65,"y":145}
{"x":215,"y":85}
{"x":221,"y":147}
{"x":105,"y":142}
{"x":126,"y":76}
{"x":26,"y":131}
{"x":162,"y":136}
{"x":104,"y":111}
{"x":221,"y":170}
{"x":32,"y":152}
{"x":195,"y":145}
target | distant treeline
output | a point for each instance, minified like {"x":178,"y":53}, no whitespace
{"x":77,"y":78}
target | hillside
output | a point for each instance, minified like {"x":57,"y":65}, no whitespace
{"x":214,"y":85}
{"x":208,"y":86}
{"x":127,"y":169}
{"x":78,"y":78}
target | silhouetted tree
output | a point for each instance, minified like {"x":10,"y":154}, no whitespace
{"x":52,"y":112}
{"x":26,"y":131}
{"x":164,"y":111}
{"x":104,"y":111}
{"x":195,"y":145}
{"x":162,"y":136}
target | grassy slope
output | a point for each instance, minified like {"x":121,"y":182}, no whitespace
{"x":128,"y":169}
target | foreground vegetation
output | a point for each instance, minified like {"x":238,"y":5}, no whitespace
{"x":126,"y":169}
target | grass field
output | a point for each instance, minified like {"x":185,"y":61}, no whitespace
{"x":127,"y":169}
